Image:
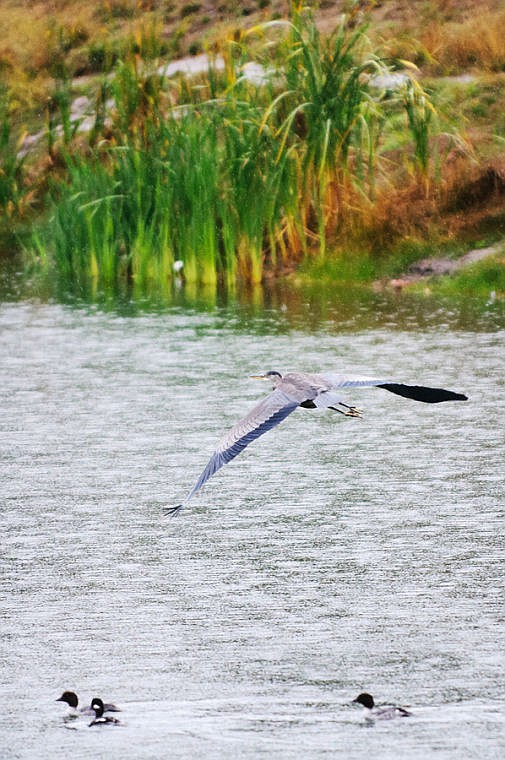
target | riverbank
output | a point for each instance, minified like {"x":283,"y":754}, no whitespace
{"x":420,"y":171}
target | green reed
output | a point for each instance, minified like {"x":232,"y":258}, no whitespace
{"x":330,"y":113}
{"x":420,"y":115}
{"x":12,"y":191}
{"x":224,"y":175}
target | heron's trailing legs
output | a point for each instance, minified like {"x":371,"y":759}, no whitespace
{"x":350,"y":411}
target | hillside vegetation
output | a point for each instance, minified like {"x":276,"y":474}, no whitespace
{"x":378,"y":129}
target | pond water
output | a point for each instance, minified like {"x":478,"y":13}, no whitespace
{"x":334,"y":556}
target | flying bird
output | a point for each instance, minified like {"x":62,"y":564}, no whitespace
{"x":310,"y":391}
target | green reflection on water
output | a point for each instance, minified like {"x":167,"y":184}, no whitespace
{"x":277,"y":305}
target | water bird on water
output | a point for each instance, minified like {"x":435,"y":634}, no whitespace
{"x":72,"y":701}
{"x":100,"y":719}
{"x":380,"y":713}
{"x":310,"y":391}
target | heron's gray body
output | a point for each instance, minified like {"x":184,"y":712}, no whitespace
{"x":307,"y":390}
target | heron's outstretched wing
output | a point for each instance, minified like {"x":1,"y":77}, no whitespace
{"x":422,"y":393}
{"x":416,"y":392}
{"x":265,"y":415}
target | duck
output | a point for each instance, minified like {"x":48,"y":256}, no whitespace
{"x":100,"y":719}
{"x":72,"y":701}
{"x":380,"y":713}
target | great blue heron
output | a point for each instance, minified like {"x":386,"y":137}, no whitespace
{"x":309,"y":391}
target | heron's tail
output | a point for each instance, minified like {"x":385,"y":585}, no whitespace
{"x":173,"y":511}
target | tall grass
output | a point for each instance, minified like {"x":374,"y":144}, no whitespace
{"x":12,"y":191}
{"x":420,"y":114}
{"x":478,"y":41}
{"x":222,"y":174}
{"x":331,"y":115}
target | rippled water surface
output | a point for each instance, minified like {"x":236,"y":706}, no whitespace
{"x":334,"y":556}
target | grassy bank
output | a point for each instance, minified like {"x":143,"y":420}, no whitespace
{"x":224,"y":175}
{"x":324,"y":162}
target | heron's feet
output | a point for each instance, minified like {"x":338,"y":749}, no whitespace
{"x":348,"y":411}
{"x":353,"y":412}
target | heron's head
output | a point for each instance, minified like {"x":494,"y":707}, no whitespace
{"x":272,"y":375}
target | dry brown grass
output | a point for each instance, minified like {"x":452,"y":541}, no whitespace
{"x":467,"y":204}
{"x":26,"y":29}
{"x":476,"y":43}
{"x":29,"y":35}
{"x":480,"y":186}
{"x":443,"y":36}
{"x":35,"y":33}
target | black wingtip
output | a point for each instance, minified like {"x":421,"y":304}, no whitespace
{"x":172,"y":511}
{"x":421,"y":393}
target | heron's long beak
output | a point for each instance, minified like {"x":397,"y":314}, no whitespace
{"x":258,"y":377}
